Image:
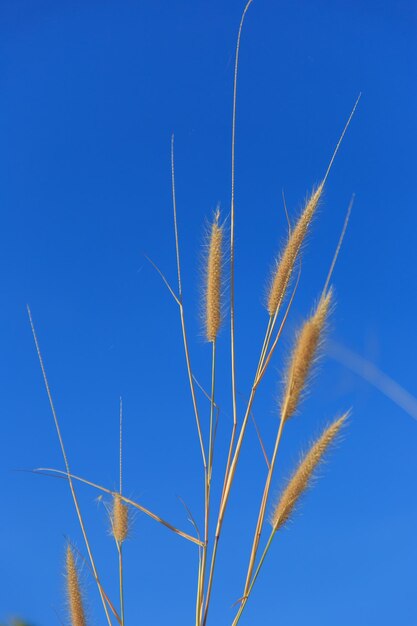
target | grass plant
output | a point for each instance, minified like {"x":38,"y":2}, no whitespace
{"x":306,"y":348}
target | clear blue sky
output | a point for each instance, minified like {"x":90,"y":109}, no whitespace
{"x":89,"y":95}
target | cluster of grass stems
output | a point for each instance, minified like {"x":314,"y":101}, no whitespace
{"x":305,"y":350}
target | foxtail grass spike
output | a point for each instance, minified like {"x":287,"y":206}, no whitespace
{"x":285,"y":265}
{"x":75,"y":601}
{"x":120,"y":519}
{"x":304,"y":473}
{"x":213,"y":280}
{"x":303,"y":355}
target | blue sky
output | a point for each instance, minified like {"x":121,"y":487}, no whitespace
{"x":90,"y":94}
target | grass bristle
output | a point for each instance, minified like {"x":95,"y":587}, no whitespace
{"x":213,"y":280}
{"x":120,"y":519}
{"x":303,"y":474}
{"x":303,"y":355}
{"x":286,"y":262}
{"x":73,"y":591}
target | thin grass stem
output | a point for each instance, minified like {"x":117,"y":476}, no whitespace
{"x":262,"y":510}
{"x":261,"y":443}
{"x":121,"y":590}
{"x":119,"y":544}
{"x":208,"y":485}
{"x":341,"y":139}
{"x":268,"y":358}
{"x":67,"y":467}
{"x":232,"y":246}
{"x":180,"y":302}
{"x":232,"y":222}
{"x":255,"y":576}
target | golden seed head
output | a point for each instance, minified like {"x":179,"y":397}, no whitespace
{"x":213,"y":280}
{"x":303,"y":356}
{"x":120,"y":519}
{"x":303,"y":474}
{"x":74,"y":592}
{"x":285,"y":265}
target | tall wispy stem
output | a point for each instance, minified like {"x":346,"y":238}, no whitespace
{"x":120,"y":543}
{"x":202,"y":573}
{"x":179,"y":300}
{"x":67,"y":468}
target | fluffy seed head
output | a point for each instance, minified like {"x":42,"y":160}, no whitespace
{"x":120,"y":519}
{"x":74,"y":592}
{"x":213,"y":280}
{"x":303,"y":355}
{"x":303,"y":474}
{"x":285,"y":264}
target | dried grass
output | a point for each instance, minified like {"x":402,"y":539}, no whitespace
{"x":74,"y":595}
{"x":304,"y":473}
{"x":303,"y":355}
{"x":120,"y":519}
{"x":286,"y":263}
{"x":214,"y":280}
{"x":300,"y":363}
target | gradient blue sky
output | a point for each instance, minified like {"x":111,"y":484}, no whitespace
{"x":90,"y":93}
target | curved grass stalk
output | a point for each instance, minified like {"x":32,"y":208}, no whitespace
{"x":232,"y":225}
{"x":50,"y":471}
